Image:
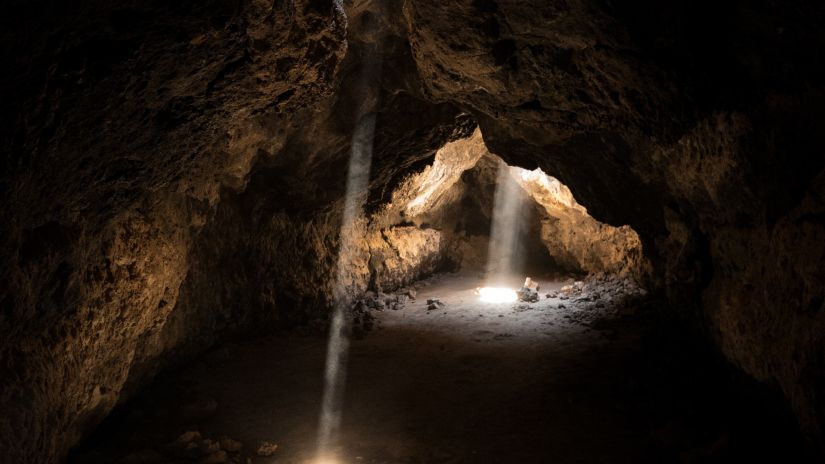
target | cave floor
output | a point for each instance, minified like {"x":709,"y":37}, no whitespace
{"x":592,"y":382}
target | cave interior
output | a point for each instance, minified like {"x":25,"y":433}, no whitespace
{"x":412,"y":231}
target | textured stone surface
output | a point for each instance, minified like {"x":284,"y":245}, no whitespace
{"x":574,"y":240}
{"x":553,"y":224}
{"x":123,"y":124}
{"x":700,"y":125}
{"x":172,"y":173}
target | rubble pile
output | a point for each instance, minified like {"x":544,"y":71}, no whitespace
{"x":599,"y":298}
{"x":192,"y":447}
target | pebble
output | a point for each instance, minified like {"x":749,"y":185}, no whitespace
{"x":266,"y":449}
{"x":217,"y":457}
{"x":230,"y":445}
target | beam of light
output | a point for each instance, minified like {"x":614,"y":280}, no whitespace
{"x":505,"y":250}
{"x":351,"y":237}
{"x":338,"y":345}
{"x":497,"y":294}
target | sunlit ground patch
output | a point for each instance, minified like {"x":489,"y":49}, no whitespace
{"x":497,"y":294}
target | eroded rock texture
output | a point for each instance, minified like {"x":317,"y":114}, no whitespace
{"x":457,"y":193}
{"x":698,"y":124}
{"x":173,"y":173}
{"x":124,"y":124}
{"x":575,"y":240}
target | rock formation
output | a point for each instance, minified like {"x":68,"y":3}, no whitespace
{"x":172,"y":173}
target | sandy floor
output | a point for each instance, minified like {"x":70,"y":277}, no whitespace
{"x":470,"y":382}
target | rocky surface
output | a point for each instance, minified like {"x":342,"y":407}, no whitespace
{"x":574,"y":240}
{"x":123,"y":125}
{"x":172,"y":174}
{"x":570,"y":240}
{"x":700,"y":127}
{"x":617,"y":387}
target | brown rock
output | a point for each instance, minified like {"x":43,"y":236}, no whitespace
{"x":215,"y":457}
{"x":230,"y":445}
{"x":266,"y":449}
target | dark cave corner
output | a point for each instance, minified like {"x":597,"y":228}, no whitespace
{"x":175,"y":178}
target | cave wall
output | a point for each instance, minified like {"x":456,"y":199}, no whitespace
{"x":123,"y":123}
{"x":556,"y":233}
{"x":574,"y":240}
{"x":699,"y":124}
{"x":160,"y":160}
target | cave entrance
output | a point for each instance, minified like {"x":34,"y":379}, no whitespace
{"x":506,"y":229}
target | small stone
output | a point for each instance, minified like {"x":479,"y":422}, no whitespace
{"x":216,"y":457}
{"x":266,"y":449}
{"x":434,"y":301}
{"x":373,"y":303}
{"x":432,"y":306}
{"x":188,"y":445}
{"x":529,"y":283}
{"x":210,"y":446}
{"x":411,"y":293}
{"x":528,"y":294}
{"x":189,"y":436}
{"x":230,"y":445}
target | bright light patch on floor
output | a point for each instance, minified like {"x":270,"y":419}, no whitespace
{"x":497,"y":294}
{"x":326,"y":461}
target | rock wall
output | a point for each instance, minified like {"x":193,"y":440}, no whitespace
{"x":555,"y":230}
{"x":122,"y":125}
{"x":698,"y":124}
{"x":574,"y":239}
{"x":172,"y":172}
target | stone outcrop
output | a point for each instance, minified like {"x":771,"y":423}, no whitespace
{"x":575,"y":240}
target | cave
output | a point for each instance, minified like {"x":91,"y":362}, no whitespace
{"x":412,"y":231}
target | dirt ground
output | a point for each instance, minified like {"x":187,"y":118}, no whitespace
{"x":591,"y":377}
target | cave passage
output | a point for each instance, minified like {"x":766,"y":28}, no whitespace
{"x":437,"y":373}
{"x":412,"y":231}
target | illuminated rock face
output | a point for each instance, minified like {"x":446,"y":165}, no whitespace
{"x":574,"y":239}
{"x":172,"y":173}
